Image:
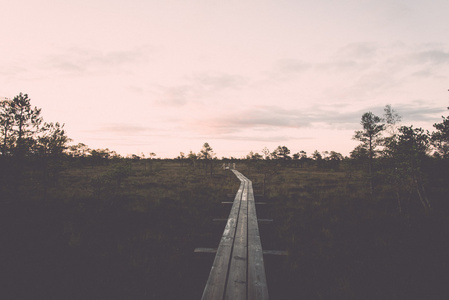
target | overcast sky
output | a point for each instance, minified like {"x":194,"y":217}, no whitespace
{"x":165,"y":76}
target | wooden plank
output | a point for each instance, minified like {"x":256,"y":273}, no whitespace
{"x":238,"y":270}
{"x":257,"y":203}
{"x":264,"y":252}
{"x":216,"y":282}
{"x":236,"y":285}
{"x":257,"y":282}
{"x":260,"y":221}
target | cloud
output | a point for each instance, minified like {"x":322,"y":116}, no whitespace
{"x":122,"y":129}
{"x":261,"y":138}
{"x":352,"y":57}
{"x":198,"y":86}
{"x":420,"y":57}
{"x":12,"y":70}
{"x":175,"y":96}
{"x":343,"y":68}
{"x":259,"y":117}
{"x":359,"y":72}
{"x":218,"y":81}
{"x":365,"y":72}
{"x":430,"y":63}
{"x":370,"y":84}
{"x":420,"y":111}
{"x":433,"y":57}
{"x":78,"y":60}
{"x":273,"y":118}
{"x":358,"y":50}
{"x":289,"y":68}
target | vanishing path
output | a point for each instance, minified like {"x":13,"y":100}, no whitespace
{"x":238,"y":270}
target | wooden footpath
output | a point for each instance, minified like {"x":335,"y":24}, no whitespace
{"x":238,"y":271}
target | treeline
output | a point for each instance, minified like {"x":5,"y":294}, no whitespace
{"x":24,"y":133}
{"x":402,"y":155}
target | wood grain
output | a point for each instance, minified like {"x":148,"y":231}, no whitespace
{"x":238,"y":271}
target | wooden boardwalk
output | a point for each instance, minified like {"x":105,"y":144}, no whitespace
{"x":238,"y":271}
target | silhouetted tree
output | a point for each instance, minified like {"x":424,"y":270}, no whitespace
{"x":295,"y":158}
{"x":181,"y":158}
{"x":25,"y":124}
{"x":152,"y":155}
{"x":317,"y":155}
{"x":193,"y":158}
{"x":333,"y":160}
{"x":135,"y":157}
{"x":408,"y":153}
{"x":78,"y":150}
{"x":281,"y":152}
{"x":303,"y":159}
{"x":370,"y":137}
{"x":253,"y":156}
{"x":391,"y":118}
{"x":360,"y":154}
{"x":440,"y":138}
{"x":266,"y":153}
{"x":19,"y":123}
{"x":99,"y":156}
{"x":52,"y":141}
{"x":6,"y":123}
{"x":50,"y":147}
{"x":335,"y":156}
{"x":207,"y":154}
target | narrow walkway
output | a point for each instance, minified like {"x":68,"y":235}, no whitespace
{"x":238,"y":271}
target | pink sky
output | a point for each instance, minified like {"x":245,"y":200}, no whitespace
{"x":166,"y":76}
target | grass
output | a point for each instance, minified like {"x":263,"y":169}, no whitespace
{"x":344,"y":243}
{"x":92,"y":237}
{"x":127,"y":230}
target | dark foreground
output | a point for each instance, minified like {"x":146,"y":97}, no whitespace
{"x":93,"y":234}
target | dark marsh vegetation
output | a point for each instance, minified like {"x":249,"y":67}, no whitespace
{"x":80,"y":223}
{"x":345,"y":243}
{"x":90,"y":236}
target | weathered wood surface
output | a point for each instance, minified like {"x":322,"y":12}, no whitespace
{"x":238,"y":270}
{"x":265,"y":252}
{"x":260,"y":221}
{"x":257,"y":203}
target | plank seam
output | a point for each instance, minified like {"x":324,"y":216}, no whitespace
{"x":232,"y":248}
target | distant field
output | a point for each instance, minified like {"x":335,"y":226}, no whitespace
{"x":127,"y":229}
